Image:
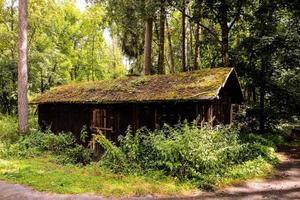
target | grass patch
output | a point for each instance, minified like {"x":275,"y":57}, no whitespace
{"x":254,"y":169}
{"x":44,"y":175}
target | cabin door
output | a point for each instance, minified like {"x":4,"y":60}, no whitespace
{"x":102,"y":122}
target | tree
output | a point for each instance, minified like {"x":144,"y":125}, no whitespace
{"x":22,"y":68}
{"x":269,"y":63}
{"x":171,"y":52}
{"x":162,"y":22}
{"x":183,"y":36}
{"x":198,"y":34}
{"x":226,"y":13}
{"x":148,"y":46}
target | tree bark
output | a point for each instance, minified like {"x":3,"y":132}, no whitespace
{"x":148,"y":47}
{"x":262,"y":98}
{"x":225,"y":46}
{"x":198,"y":36}
{"x":22,"y":69}
{"x":183,"y":33}
{"x":161,"y":55}
{"x":190,"y":48}
{"x":197,"y":55}
{"x":225,"y":33}
{"x":93,"y":63}
{"x":171,"y":54}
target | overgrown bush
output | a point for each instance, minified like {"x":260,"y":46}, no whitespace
{"x":63,"y":146}
{"x":184,"y":151}
{"x":8,"y":129}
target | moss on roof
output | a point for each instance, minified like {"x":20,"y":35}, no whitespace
{"x":196,"y":85}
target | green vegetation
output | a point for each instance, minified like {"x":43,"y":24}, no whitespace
{"x":65,"y":45}
{"x":8,"y":127}
{"x":259,"y":38}
{"x":182,"y":86}
{"x":171,"y":161}
{"x":55,"y":163}
{"x":204,"y":156}
{"x":45,"y":175}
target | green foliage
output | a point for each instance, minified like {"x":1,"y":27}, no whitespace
{"x":36,"y":143}
{"x":113,"y":157}
{"x":65,"y":45}
{"x":8,"y":129}
{"x":186,"y":152}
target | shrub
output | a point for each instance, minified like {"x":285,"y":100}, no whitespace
{"x":184,"y":151}
{"x":63,"y":146}
{"x":8,"y":129}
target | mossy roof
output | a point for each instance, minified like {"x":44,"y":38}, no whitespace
{"x":196,"y":85}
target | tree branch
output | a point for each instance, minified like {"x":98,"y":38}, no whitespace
{"x":237,"y":15}
{"x":205,"y":27}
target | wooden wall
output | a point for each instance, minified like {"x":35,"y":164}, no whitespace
{"x":72,"y":117}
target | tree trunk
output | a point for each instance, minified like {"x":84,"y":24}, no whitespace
{"x":183,"y":37}
{"x":262,"y":100}
{"x":253,"y":94}
{"x":198,"y":36}
{"x":190,"y":49}
{"x":161,"y":55}
{"x":93,"y":63}
{"x":197,"y":55}
{"x":225,"y":33}
{"x":225,"y":46}
{"x":42,"y":86}
{"x":171,"y":54}
{"x":22,"y":69}
{"x":148,"y":46}
{"x":263,"y":81}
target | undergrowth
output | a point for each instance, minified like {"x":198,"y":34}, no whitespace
{"x":186,"y":152}
{"x":63,"y":146}
{"x":203,"y":157}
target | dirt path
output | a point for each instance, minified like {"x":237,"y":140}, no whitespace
{"x":285,"y":184}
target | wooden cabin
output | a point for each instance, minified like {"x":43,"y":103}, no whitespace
{"x":145,"y":101}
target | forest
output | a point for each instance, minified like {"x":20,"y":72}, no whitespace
{"x":259,"y":38}
{"x":75,"y":41}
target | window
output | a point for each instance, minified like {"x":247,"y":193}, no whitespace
{"x":99,"y":118}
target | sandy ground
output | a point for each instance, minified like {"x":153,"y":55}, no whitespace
{"x":285,"y":185}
